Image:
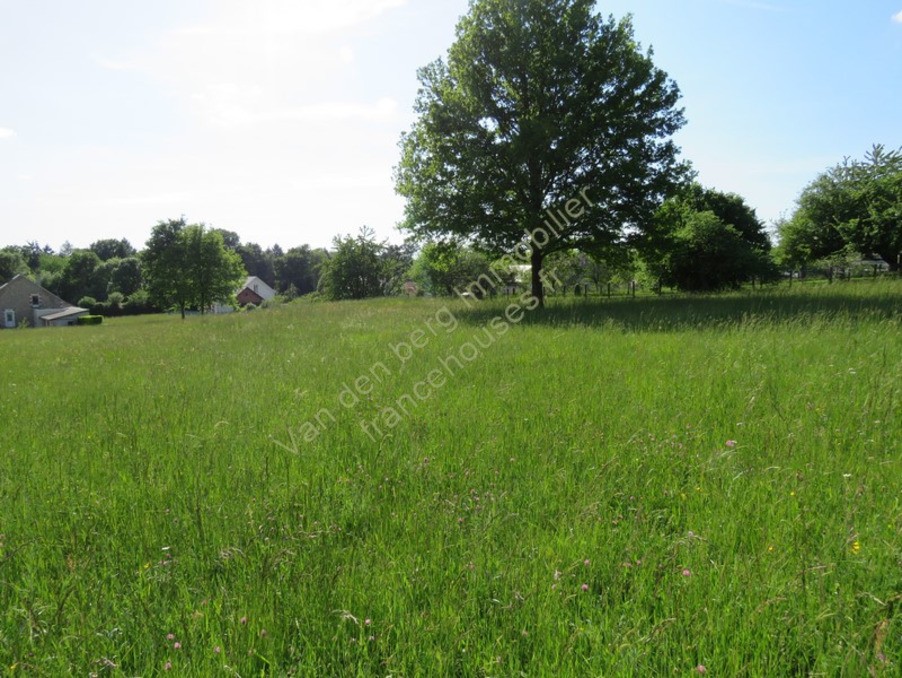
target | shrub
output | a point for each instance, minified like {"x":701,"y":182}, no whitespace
{"x":138,"y":303}
{"x":90,"y":320}
{"x":87,"y":302}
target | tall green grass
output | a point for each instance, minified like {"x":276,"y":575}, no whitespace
{"x":625,"y":487}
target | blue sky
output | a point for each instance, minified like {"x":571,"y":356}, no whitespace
{"x":279,"y":119}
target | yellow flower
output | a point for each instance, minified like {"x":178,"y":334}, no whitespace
{"x":856,"y":546}
{"x":770,"y":549}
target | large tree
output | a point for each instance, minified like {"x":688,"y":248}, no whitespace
{"x":541,"y":103}
{"x":80,"y":277}
{"x":856,"y":204}
{"x":297,"y":270}
{"x":355,"y":269}
{"x":705,"y":240}
{"x":214,"y":271}
{"x":126,"y":278}
{"x":188,"y":265}
{"x":165,"y":264}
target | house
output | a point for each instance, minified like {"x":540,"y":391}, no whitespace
{"x":25,"y":303}
{"x":254,"y":291}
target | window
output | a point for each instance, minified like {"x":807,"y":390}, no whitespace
{"x":9,"y":318}
{"x":35,"y":300}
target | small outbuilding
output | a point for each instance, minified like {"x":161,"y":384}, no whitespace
{"x":25,"y":303}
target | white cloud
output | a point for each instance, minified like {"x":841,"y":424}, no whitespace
{"x":898,"y":18}
{"x":6,"y":133}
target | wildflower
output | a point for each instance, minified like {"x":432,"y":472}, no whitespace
{"x":243,"y":621}
{"x":557,"y":575}
{"x":217,"y":650}
{"x":167,"y":666}
{"x":586,"y":562}
{"x":770,"y":549}
{"x":176,"y":646}
{"x":367,"y":621}
{"x":263,"y":633}
{"x":585,"y":587}
{"x":687,"y":572}
{"x":170,"y":636}
{"x":701,"y":669}
{"x":731,"y":443}
{"x":856,"y":546}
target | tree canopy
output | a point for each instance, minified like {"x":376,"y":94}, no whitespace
{"x":857,"y":204}
{"x":361,"y":267}
{"x":704,"y":240}
{"x":189,"y":266}
{"x":541,"y":103}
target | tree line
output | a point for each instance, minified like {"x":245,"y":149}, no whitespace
{"x":537,"y":103}
{"x":182,"y":267}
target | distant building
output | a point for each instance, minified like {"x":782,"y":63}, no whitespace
{"x":254,"y":291}
{"x":25,"y":303}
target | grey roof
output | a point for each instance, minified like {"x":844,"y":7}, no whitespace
{"x":64,"y":313}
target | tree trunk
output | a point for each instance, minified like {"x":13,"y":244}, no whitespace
{"x":538,"y":289}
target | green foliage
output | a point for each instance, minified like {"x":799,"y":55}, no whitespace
{"x":126,"y":277}
{"x":189,"y":266}
{"x":703,"y":240}
{"x":79,"y":277}
{"x":138,"y":304}
{"x":708,"y":255}
{"x":540,"y":102}
{"x":51,"y":263}
{"x":12,"y":263}
{"x":355,"y":269}
{"x":299,"y":268}
{"x":165,"y":264}
{"x":445,"y":266}
{"x":90,"y":320}
{"x":855,"y":205}
{"x":116,"y":300}
{"x":214,"y":271}
{"x":258,"y":262}
{"x":731,"y":209}
{"x":113,"y":249}
{"x":87,"y":302}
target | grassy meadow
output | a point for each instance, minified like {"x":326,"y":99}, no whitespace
{"x":655,"y":487}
